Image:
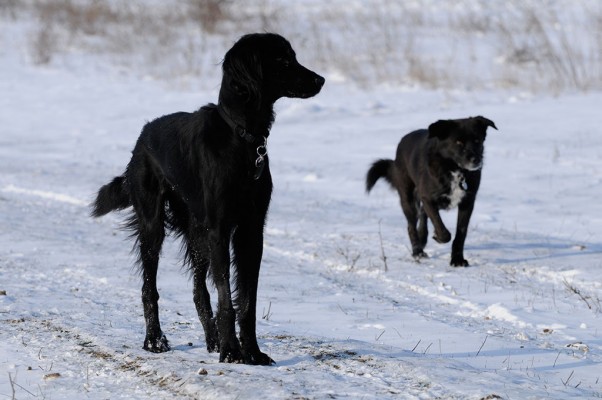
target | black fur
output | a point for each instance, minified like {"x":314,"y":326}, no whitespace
{"x":430,"y":166}
{"x":200,"y":175}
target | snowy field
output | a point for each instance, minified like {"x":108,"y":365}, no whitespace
{"x":523,"y":322}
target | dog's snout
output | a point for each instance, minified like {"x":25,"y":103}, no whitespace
{"x":319,"y":81}
{"x":475,"y":158}
{"x":474,"y":163}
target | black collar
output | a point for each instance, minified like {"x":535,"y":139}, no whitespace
{"x":240,"y":130}
{"x":260,"y":141}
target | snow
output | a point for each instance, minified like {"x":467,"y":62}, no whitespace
{"x":523,"y":322}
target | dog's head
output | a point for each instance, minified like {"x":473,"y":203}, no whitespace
{"x":461,"y":140}
{"x":263,"y":67}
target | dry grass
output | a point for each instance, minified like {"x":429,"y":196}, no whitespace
{"x":518,"y":45}
{"x":9,"y":8}
{"x":544,"y":48}
{"x":210,"y":14}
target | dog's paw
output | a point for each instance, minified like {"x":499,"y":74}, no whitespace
{"x":156,"y":345}
{"x":230,"y":352}
{"x":459,"y":262}
{"x":419,"y":254}
{"x":212,"y":337}
{"x":231,"y":357}
{"x":258,"y":358}
{"x":442,"y":237}
{"x":212,"y":345}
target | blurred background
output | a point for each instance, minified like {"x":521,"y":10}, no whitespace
{"x":537,"y":46}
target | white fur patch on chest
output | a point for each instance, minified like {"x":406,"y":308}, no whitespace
{"x":457,"y":189}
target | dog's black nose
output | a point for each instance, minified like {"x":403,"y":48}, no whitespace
{"x":320,"y":81}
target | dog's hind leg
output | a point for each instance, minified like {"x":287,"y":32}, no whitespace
{"x":408,"y":206}
{"x":150,"y":241}
{"x":203,"y":306}
{"x":229,"y":347}
{"x":198,"y":251}
{"x":150,"y":244}
{"x":422,"y":227}
{"x":247,"y":245}
{"x":149,"y":222}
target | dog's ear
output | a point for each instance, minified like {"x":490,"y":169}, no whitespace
{"x":485,"y":122}
{"x":441,"y":128}
{"x":242,"y":67}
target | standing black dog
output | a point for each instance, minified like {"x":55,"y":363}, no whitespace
{"x":205,"y":176}
{"x":434,"y":169}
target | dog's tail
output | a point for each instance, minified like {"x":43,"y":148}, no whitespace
{"x":112,"y":196}
{"x":380,"y":169}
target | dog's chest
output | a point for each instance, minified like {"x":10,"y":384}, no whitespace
{"x":456,"y":191}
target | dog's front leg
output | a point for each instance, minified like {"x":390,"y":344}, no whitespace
{"x":229,"y":348}
{"x":464,"y":212}
{"x":442,"y":235}
{"x":247,"y":245}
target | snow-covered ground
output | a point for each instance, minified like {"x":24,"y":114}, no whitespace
{"x":523,"y":322}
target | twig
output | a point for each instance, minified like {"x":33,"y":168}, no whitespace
{"x":378,"y":337}
{"x":482,"y":344}
{"x":577,"y":292}
{"x":567,"y":379}
{"x":420,"y":340}
{"x":350,"y":259}
{"x":427,"y":348}
{"x":554,"y":366}
{"x":12,"y":385}
{"x":267,"y":315}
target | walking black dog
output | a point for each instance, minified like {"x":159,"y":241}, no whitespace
{"x":434,"y":169}
{"x":205,"y":176}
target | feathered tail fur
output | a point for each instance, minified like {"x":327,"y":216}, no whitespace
{"x":112,"y":196}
